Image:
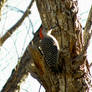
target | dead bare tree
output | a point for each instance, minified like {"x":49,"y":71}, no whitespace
{"x":74,"y":75}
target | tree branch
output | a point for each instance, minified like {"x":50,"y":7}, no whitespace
{"x":2,"y":2}
{"x":87,"y":31}
{"x":86,"y":37}
{"x":25,"y":65}
{"x":13,"y":28}
{"x":63,"y":14}
{"x":18,"y":75}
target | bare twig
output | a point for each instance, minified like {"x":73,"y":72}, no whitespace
{"x":13,"y":28}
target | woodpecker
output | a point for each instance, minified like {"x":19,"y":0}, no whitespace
{"x":49,"y":48}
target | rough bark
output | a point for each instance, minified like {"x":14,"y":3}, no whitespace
{"x":61,"y":17}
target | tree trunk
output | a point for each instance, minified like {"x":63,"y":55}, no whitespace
{"x":61,"y":17}
{"x":73,"y":74}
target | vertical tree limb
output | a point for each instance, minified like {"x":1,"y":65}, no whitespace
{"x":87,"y":31}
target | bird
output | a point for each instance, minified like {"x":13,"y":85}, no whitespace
{"x":49,"y":48}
